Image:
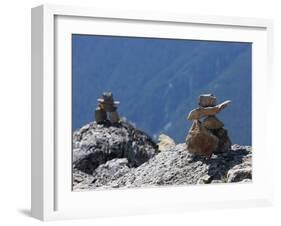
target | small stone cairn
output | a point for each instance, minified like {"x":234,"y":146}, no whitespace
{"x":207,"y":135}
{"x":106,"y":110}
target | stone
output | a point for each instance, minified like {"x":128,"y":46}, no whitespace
{"x":114,"y":117}
{"x":216,"y":181}
{"x":246,"y":181}
{"x":109,"y":107}
{"x":107,"y":103}
{"x":81,"y":179}
{"x":165,"y":143}
{"x":107,"y":97}
{"x":224,"y":144}
{"x":200,"y":141}
{"x":206,"y":179}
{"x":212,"y":122}
{"x":109,"y":171}
{"x":207,"y":100}
{"x":101,"y":143}
{"x":200,"y":112}
{"x":100,"y":115}
{"x":237,"y":175}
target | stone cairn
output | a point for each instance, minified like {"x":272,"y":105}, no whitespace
{"x":207,"y":135}
{"x":106,"y":110}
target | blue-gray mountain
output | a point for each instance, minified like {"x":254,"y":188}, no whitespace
{"x":158,"y":81}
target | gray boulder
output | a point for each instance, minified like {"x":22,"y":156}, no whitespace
{"x":236,"y":175}
{"x":105,"y":173}
{"x":96,"y":144}
{"x":241,"y":172}
{"x":174,"y":167}
{"x":110,"y":171}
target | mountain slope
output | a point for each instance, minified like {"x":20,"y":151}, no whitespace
{"x":158,"y":81}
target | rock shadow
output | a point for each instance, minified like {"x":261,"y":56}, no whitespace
{"x":220,"y":164}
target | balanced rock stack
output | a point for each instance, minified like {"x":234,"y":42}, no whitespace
{"x":107,"y":109}
{"x":207,"y":135}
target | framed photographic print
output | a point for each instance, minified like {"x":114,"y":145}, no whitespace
{"x":137,"y":112}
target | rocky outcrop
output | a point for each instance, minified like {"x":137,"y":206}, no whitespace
{"x":96,"y":144}
{"x":119,"y":155}
{"x":176,"y":166}
{"x":104,"y":174}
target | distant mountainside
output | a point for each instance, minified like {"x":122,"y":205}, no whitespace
{"x":158,"y":81}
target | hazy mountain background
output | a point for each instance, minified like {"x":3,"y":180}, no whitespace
{"x":158,"y":81}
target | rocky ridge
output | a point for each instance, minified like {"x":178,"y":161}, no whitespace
{"x":106,"y":156}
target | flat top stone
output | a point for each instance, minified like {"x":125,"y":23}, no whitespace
{"x":107,"y":98}
{"x":206,"y":111}
{"x":212,"y":122}
{"x":207,"y":100}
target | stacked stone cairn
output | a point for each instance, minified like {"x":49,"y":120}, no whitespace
{"x":106,"y":110}
{"x":207,"y":135}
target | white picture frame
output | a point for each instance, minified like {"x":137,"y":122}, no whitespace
{"x":52,"y":197}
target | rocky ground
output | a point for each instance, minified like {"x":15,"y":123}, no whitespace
{"x":121,"y":156}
